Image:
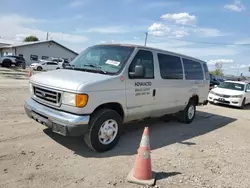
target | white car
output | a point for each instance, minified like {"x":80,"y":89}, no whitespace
{"x":234,"y":93}
{"x":45,"y":65}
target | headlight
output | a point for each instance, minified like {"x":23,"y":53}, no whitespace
{"x":31,"y":88}
{"x":237,"y":96}
{"x":212,"y":92}
{"x":72,"y":99}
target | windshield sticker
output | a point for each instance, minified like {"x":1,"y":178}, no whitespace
{"x":112,"y":62}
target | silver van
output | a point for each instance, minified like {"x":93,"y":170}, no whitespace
{"x":111,"y":84}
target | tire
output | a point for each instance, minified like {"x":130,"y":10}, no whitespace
{"x":97,"y":120}
{"x":7,"y":63}
{"x":184,"y":115}
{"x":57,"y":68}
{"x":39,"y":68}
{"x":243,"y":104}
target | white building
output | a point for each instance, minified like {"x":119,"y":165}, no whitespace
{"x":33,"y":51}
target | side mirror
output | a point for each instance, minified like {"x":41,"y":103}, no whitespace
{"x":139,"y":72}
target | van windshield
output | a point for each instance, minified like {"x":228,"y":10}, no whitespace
{"x":107,"y":59}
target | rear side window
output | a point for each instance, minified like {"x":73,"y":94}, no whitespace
{"x":193,"y":70}
{"x":207,"y":75}
{"x":170,"y":66}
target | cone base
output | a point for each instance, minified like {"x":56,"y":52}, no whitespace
{"x":132,"y":179}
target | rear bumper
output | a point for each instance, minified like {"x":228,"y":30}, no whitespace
{"x":62,"y":123}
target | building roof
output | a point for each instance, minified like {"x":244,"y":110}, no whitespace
{"x":5,"y":42}
{"x":36,"y":42}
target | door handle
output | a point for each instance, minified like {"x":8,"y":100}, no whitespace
{"x":154,"y":91}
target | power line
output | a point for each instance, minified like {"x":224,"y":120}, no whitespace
{"x":204,"y":42}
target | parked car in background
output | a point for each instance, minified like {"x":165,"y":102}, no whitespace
{"x":109,"y":85}
{"x":62,"y":62}
{"x":45,"y":65}
{"x":213,"y":81}
{"x":232,"y":93}
{"x":9,"y":60}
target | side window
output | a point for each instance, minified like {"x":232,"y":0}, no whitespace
{"x":170,"y":66}
{"x":206,"y":71}
{"x":33,"y":57}
{"x":193,"y":70}
{"x":51,"y":63}
{"x":144,"y":58}
{"x":248,"y":86}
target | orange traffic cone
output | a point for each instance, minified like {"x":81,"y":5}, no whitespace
{"x":142,"y":173}
{"x":29,"y":73}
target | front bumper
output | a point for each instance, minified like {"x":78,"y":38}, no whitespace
{"x":60,"y":122}
{"x":228,"y":101}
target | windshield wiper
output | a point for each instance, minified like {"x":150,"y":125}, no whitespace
{"x":94,"y":66}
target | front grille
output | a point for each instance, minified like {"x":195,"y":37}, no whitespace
{"x":47,"y":95}
{"x":221,"y":95}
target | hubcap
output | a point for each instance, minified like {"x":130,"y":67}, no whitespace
{"x":191,"y":112}
{"x":108,"y":131}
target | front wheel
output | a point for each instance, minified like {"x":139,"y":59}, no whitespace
{"x":39,"y":68}
{"x":188,"y":114}
{"x":104,"y":130}
{"x":243,"y":103}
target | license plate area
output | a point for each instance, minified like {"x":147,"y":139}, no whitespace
{"x":59,"y":129}
{"x":221,"y":99}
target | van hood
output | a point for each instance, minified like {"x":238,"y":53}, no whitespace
{"x":66,"y":79}
{"x":227,"y":91}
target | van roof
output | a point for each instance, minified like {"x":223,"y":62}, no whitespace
{"x":150,"y":48}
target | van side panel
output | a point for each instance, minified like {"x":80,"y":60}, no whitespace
{"x":196,"y":83}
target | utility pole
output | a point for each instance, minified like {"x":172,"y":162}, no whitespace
{"x":47,"y":37}
{"x":146,"y":38}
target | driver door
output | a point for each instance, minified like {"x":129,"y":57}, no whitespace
{"x":140,"y":91}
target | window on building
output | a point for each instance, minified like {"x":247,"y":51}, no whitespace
{"x":170,"y":66}
{"x":193,"y":70}
{"x":144,"y":58}
{"x":34,"y":57}
{"x":45,"y":57}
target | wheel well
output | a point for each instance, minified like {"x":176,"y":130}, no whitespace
{"x":7,"y":60}
{"x":113,"y":106}
{"x":195,"y":98}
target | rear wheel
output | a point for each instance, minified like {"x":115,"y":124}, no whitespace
{"x":104,"y":130}
{"x":188,"y":114}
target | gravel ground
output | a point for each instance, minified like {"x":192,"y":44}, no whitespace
{"x":213,"y":151}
